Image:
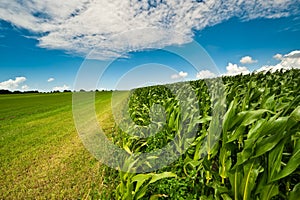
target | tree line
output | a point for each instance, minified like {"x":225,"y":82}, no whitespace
{"x":27,"y":92}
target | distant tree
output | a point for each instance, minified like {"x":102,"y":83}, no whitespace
{"x":17,"y":92}
{"x":31,"y":91}
{"x":67,"y":91}
{"x":5,"y":92}
{"x":55,"y":91}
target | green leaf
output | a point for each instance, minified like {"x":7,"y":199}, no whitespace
{"x":248,"y":117}
{"x":140,"y":179}
{"x":192,"y":163}
{"x":269,"y":103}
{"x":294,"y":118}
{"x":268,"y":143}
{"x":251,"y":171}
{"x":270,"y":191}
{"x":243,"y":156}
{"x":269,"y":127}
{"x":254,"y":132}
{"x":236,"y":133}
{"x":225,"y":163}
{"x":156,"y":196}
{"x":274,"y":160}
{"x":213,"y":136}
{"x":126,"y":148}
{"x":141,"y":192}
{"x":157,"y":177}
{"x":204,"y":197}
{"x":229,"y":116}
{"x":292,"y":164}
{"x":172,"y":120}
{"x":296,"y":114}
{"x":204,"y":120}
{"x":226,"y":197}
{"x":295,"y":193}
{"x":235,"y":179}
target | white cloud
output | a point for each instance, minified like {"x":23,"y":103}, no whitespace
{"x":61,"y":88}
{"x":181,"y":74}
{"x":277,"y":56}
{"x":78,"y":26}
{"x":25,"y":87}
{"x":50,"y":80}
{"x":204,"y":74}
{"x":234,"y":69}
{"x":12,"y":84}
{"x":288,"y":61}
{"x":247,"y":60}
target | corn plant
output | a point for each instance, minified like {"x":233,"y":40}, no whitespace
{"x":256,"y":155}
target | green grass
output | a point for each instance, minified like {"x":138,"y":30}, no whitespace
{"x":41,"y":154}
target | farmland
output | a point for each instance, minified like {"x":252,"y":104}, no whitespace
{"x":256,"y":155}
{"x":41,"y":154}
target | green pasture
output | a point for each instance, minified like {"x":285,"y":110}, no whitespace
{"x":41,"y":155}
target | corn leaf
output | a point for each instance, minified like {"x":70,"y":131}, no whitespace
{"x":270,"y":191}
{"x":268,"y":143}
{"x":292,"y":164}
{"x":251,"y":171}
{"x":157,"y":177}
{"x":295,"y":193}
{"x":140,"y":179}
{"x":274,"y":160}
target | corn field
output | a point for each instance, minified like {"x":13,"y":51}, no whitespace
{"x":256,"y":154}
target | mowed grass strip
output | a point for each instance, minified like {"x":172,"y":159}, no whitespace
{"x":41,"y":154}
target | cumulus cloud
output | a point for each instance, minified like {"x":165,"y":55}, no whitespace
{"x":50,"y":80}
{"x":61,"y":88}
{"x":247,"y":60}
{"x":288,"y":61}
{"x":78,"y":26}
{"x":12,"y":84}
{"x":25,"y":87}
{"x":204,"y":74}
{"x":181,"y":74}
{"x":234,"y":69}
{"x":277,"y":56}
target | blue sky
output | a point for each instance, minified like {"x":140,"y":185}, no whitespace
{"x":46,"y":50}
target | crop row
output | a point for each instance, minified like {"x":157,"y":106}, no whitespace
{"x":230,"y":138}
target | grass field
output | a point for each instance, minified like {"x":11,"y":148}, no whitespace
{"x":41,"y":154}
